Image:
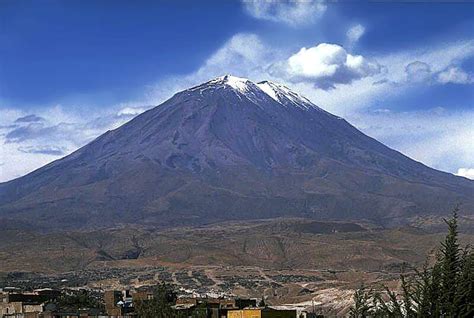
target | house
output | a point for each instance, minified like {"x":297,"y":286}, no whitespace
{"x":17,"y":304}
{"x":266,"y":312}
{"x":213,"y":307}
{"x":120,"y":303}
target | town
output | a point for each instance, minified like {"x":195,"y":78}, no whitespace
{"x":150,"y":301}
{"x":327,"y":292}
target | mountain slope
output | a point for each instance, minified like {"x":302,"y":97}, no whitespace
{"x":230,"y":149}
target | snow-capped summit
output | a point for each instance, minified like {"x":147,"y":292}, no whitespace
{"x":238,"y":83}
{"x":278,"y":92}
{"x":255,"y":91}
{"x":284,"y":95}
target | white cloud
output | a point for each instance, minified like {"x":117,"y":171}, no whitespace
{"x":390,"y":83}
{"x":355,"y":33}
{"x":44,"y":149}
{"x":244,"y":54}
{"x":454,"y":75}
{"x":256,"y":60}
{"x":29,"y":119}
{"x":415,"y":132}
{"x":466,"y":172}
{"x":291,"y":12}
{"x":418,"y":72}
{"x":429,"y":61}
{"x":326,"y":65}
{"x":29,"y":141}
{"x":131,"y":111}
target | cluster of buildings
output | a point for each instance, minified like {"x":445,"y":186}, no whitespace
{"x":41,"y":303}
{"x":120,"y":304}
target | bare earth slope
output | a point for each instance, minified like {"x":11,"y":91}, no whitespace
{"x":230,"y":149}
{"x":274,"y":244}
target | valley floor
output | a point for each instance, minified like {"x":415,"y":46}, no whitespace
{"x":289,"y":261}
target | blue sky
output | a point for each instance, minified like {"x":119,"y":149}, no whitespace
{"x":401,"y":72}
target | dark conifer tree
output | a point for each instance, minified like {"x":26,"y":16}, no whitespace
{"x":445,"y":289}
{"x":450,"y":265}
{"x":159,"y":306}
{"x":464,"y":298}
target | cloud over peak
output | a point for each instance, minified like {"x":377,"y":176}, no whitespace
{"x":29,"y":119}
{"x":454,"y":75}
{"x":418,"y":72}
{"x":326,"y":65}
{"x":45,"y":150}
{"x":355,"y":33}
{"x":466,"y":172}
{"x":421,"y":72}
{"x":291,"y":12}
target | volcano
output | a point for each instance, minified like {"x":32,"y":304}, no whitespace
{"x":230,"y":149}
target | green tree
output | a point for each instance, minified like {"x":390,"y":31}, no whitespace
{"x":426,"y":291}
{"x":200,"y":311}
{"x":75,"y":300}
{"x":363,"y":303}
{"x":160,"y":304}
{"x":450,"y":267}
{"x":464,"y":298}
{"x":445,"y":289}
